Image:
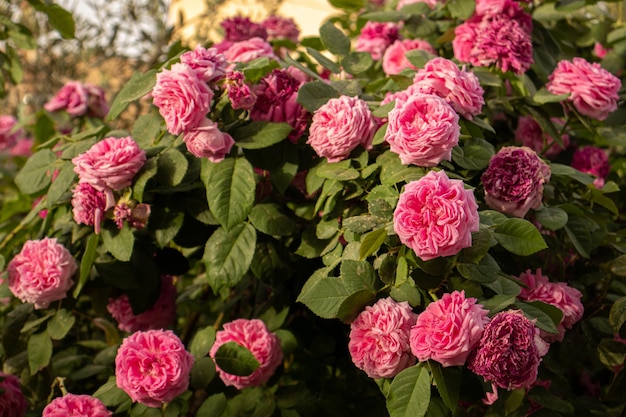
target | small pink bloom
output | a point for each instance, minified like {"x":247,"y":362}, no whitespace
{"x":461,"y":89}
{"x":530,"y":134}
{"x":599,"y":50}
{"x":249,"y":50}
{"x":183,"y":99}
{"x":339,"y":126}
{"x":10,"y":133}
{"x":448,"y":329}
{"x":23,"y":147}
{"x":436,"y":216}
{"x":375,"y":37}
{"x":559,"y":294}
{"x":592,"y":160}
{"x":89,"y":205}
{"x":207,"y":141}
{"x":72,"y":97}
{"x":379,"y":338}
{"x":153,"y":367}
{"x":111,"y":163}
{"x":514,"y":180}
{"x":422,"y":130}
{"x":263,"y":344}
{"x":71,"y":405}
{"x":12,"y":401}
{"x":281,"y":28}
{"x":208,"y":64}
{"x":160,"y":316}
{"x":241,"y":28}
{"x":509,"y":351}
{"x":394,"y":58}
{"x":136,"y":215}
{"x":592,"y":90}
{"x":42,"y":272}
{"x":240,"y":94}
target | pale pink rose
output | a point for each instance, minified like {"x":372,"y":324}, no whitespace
{"x":240,"y":94}
{"x":448,"y":329}
{"x":430,"y":3}
{"x":207,"y":141}
{"x":339,"y":126}
{"x":509,"y":351}
{"x":394,"y":58}
{"x":263,"y":344}
{"x":281,"y":28}
{"x":530,"y":134}
{"x":96,"y":101}
{"x":379,"y":338}
{"x":12,"y":401}
{"x":460,"y":88}
{"x":10,"y":133}
{"x":153,"y":367}
{"x":375,"y":37}
{"x":89,"y":205}
{"x":72,"y":97}
{"x":42,"y":272}
{"x":514,"y":180}
{"x":249,"y":50}
{"x":537,"y":287}
{"x":111,"y":163}
{"x":208,"y":64}
{"x":592,"y":90}
{"x":71,"y":405}
{"x":241,"y":28}
{"x":436,"y":216}
{"x":160,"y":316}
{"x":592,"y":160}
{"x":183,"y":99}
{"x":422,"y":130}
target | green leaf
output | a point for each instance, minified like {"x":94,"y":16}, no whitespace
{"x":202,"y":342}
{"x":579,"y":231}
{"x":409,"y":393}
{"x":171,"y":168}
{"x":486,"y":270}
{"x":475,"y":154}
{"x":235,"y":359}
{"x":498,"y":303}
{"x":86,"y":262}
{"x":166,"y":230}
{"x":228,"y":255}
{"x":548,"y":316}
{"x":543,"y":96}
{"x":110,"y":394}
{"x":618,"y":266}
{"x":148,"y":171}
{"x":260,"y":134}
{"x":448,"y":382}
{"x":61,"y":183}
{"x":39,"y":351}
{"x":61,"y":20}
{"x":119,"y":242}
{"x":461,"y":9}
{"x":418,"y":57}
{"x":315,"y":94}
{"x":230,"y":191}
{"x":36,"y":174}
{"x":567,"y":171}
{"x":213,"y":406}
{"x":348,"y":5}
{"x":332,"y":66}
{"x":552,"y":218}
{"x":617,"y":316}
{"x":268,"y":219}
{"x":137,"y":87}
{"x":334,"y":39}
{"x":371,"y":242}
{"x":357,"y":62}
{"x":519,"y":236}
{"x":61,"y":324}
{"x":384,"y":16}
{"x":202,"y":372}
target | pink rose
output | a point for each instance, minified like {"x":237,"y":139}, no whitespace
{"x":448,"y":329}
{"x":430,"y":3}
{"x":89,"y":205}
{"x":160,"y":316}
{"x":208,"y":64}
{"x":509,"y":351}
{"x":530,"y":134}
{"x":461,"y":89}
{"x":72,"y":97}
{"x":111,"y":163}
{"x":241,"y":28}
{"x":592,"y":90}
{"x":183,"y":99}
{"x":207,"y":141}
{"x":12,"y":401}
{"x":10,"y":133}
{"x":422,"y":130}
{"x":42,"y":272}
{"x":339,"y":126}
{"x":281,"y":28}
{"x":375,"y":37}
{"x":436,"y":216}
{"x":23,"y":147}
{"x":514,"y":180}
{"x":599,"y":50}
{"x":379,"y":338}
{"x":592,"y":160}
{"x":153,"y":367}
{"x":71,"y":405}
{"x":136,"y":215}
{"x":240,"y":94}
{"x":263,"y":344}
{"x":249,"y":50}
{"x":567,"y":299}
{"x":394,"y":58}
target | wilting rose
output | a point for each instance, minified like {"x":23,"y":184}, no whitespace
{"x":436,"y":216}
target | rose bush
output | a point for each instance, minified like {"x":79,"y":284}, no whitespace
{"x":342,"y":224}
